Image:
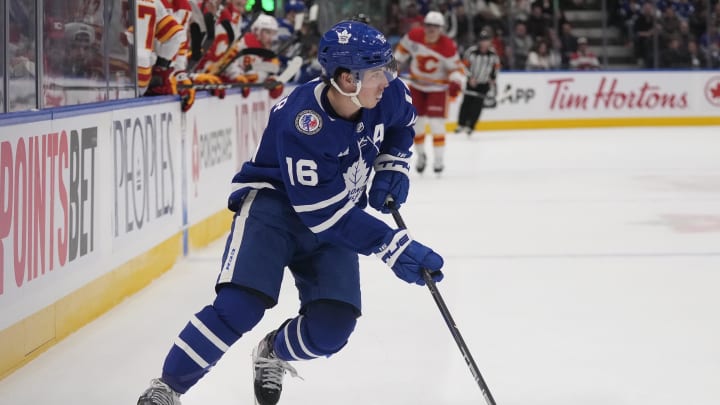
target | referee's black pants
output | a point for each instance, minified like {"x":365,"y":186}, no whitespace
{"x":472,"y":105}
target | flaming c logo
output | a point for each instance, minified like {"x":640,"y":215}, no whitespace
{"x":427,"y":64}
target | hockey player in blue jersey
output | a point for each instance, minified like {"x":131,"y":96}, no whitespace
{"x":299,"y":203}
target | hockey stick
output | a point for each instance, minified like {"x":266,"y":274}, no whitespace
{"x":224,"y":86}
{"x":423,"y":82}
{"x":227,"y":58}
{"x":197,"y":16}
{"x":291,"y":69}
{"x":474,"y":370}
{"x":287,"y":74}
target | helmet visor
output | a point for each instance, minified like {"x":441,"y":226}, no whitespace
{"x":376,"y":75}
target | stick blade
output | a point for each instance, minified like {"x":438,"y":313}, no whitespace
{"x":293,"y":66}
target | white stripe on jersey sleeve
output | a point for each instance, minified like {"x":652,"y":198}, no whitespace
{"x":322,"y":204}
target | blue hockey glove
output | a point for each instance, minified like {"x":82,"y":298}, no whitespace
{"x":408,"y":258}
{"x":391,"y":180}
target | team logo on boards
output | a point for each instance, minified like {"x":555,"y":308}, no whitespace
{"x":308,"y":122}
{"x":712,"y":91}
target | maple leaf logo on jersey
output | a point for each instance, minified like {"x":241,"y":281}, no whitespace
{"x":344,"y":37}
{"x":356,"y":177}
{"x":308,"y":122}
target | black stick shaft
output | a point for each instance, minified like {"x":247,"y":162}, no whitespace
{"x":474,"y":370}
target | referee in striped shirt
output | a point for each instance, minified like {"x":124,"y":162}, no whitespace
{"x":483,"y":65}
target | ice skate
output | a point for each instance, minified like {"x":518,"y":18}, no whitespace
{"x":159,"y":393}
{"x":421,"y":162}
{"x":269,"y":371}
{"x":439,"y":162}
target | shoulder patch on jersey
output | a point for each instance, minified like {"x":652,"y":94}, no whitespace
{"x":308,"y":122}
{"x":360,"y":127}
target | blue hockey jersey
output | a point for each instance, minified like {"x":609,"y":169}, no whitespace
{"x":322,"y":163}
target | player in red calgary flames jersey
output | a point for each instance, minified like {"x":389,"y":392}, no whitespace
{"x":252,"y":68}
{"x":227,"y":29}
{"x":159,"y":36}
{"x":182,"y":11}
{"x":436,"y":75}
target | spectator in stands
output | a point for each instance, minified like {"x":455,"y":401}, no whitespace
{"x":412,"y":18}
{"x":685,"y":35}
{"x":487,"y":13}
{"x":448,"y":13}
{"x":710,"y":42}
{"x":537,"y":24}
{"x":309,"y":38}
{"x":683,"y":8}
{"x":463,"y":37}
{"x":697,"y":58}
{"x":547,"y":8}
{"x":54,"y":46}
{"x":554,"y":46}
{"x":393,"y":22}
{"x":568,"y":44}
{"x":583,"y":58}
{"x":311,"y":68}
{"x":520,"y":9}
{"x":698,"y":20}
{"x":286,"y":24}
{"x":540,"y":58}
{"x":20,"y":49}
{"x":423,"y":6}
{"x":561,"y":19}
{"x":628,"y":11}
{"x":498,"y":45}
{"x":673,"y":57}
{"x":709,"y":37}
{"x":82,"y":59}
{"x":670,"y":24}
{"x":644,"y":29}
{"x":520,"y":46}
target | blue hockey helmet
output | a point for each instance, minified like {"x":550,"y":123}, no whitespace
{"x":357,"y":47}
{"x":297,"y":6}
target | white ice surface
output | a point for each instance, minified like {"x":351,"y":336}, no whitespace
{"x":582,"y":268}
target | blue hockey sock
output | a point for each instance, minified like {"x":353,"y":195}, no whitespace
{"x":322,"y":330}
{"x":208,"y":336}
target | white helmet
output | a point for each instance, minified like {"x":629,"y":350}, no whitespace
{"x":434,"y":18}
{"x":265,"y":22}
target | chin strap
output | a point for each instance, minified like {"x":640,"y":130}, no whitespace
{"x":353,"y":95}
